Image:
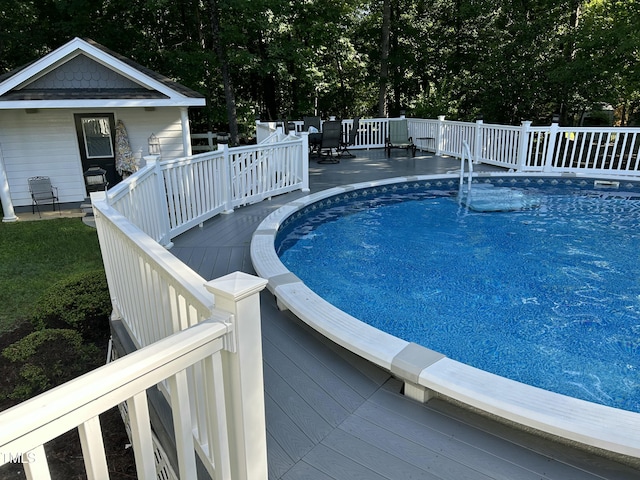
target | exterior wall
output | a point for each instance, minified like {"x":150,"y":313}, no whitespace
{"x":163,"y":122}
{"x":45,"y":143}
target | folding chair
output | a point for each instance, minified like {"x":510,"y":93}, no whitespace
{"x":42,"y":193}
{"x":399,"y":137}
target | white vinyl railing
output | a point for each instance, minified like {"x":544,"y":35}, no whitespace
{"x":181,"y":193}
{"x":200,"y":368}
{"x":525,"y":148}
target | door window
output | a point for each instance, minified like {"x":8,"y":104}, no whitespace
{"x":98,"y":138}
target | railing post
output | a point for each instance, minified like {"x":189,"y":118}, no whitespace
{"x":305,"y":161}
{"x":477,"y":141}
{"x":523,"y":146}
{"x":551,"y":146}
{"x":439,"y":130}
{"x":238,"y":294}
{"x":161,"y":205}
{"x":227,"y":178}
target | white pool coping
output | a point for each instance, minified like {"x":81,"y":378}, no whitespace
{"x":591,"y":424}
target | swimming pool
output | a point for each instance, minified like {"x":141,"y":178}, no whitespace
{"x":426,"y":372}
{"x":548,"y":296}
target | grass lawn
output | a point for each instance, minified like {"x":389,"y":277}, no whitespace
{"x":33,"y":255}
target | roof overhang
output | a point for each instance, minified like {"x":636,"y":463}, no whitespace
{"x":154,"y":84}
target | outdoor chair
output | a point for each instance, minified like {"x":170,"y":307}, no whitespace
{"x":331,"y":139}
{"x":42,"y":193}
{"x":351,"y":139}
{"x":311,"y":122}
{"x":399,"y":137}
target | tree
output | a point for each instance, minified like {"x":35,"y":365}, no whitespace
{"x":221,"y":53}
{"x":384,"y":58}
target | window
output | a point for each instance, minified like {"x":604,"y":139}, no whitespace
{"x":98,"y":138}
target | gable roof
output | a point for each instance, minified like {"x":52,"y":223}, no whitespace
{"x":83,"y":73}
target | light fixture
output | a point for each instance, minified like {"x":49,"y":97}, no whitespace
{"x":95,"y":179}
{"x":154,"y":145}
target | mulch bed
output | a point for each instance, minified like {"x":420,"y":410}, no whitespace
{"x":64,"y":453}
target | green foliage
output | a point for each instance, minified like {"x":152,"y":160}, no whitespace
{"x":44,"y":359}
{"x":34,"y":255}
{"x":80,"y":302}
{"x":507,"y":60}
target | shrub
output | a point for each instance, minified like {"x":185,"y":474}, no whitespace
{"x":80,"y":302}
{"x":47,"y":358}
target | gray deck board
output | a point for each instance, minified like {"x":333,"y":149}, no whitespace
{"x":332,"y":415}
{"x":315,"y":397}
{"x":388,"y":454}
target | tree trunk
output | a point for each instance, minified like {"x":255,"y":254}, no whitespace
{"x":221,"y":53}
{"x":384,"y":58}
{"x":569,"y":53}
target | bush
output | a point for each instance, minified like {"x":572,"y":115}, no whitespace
{"x":44,"y":359}
{"x":80,"y":302}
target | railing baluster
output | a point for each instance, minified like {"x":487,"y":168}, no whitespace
{"x":141,"y":435}
{"x":182,"y":425}
{"x":95,"y":461}
{"x":36,"y":466}
{"x":217,"y":429}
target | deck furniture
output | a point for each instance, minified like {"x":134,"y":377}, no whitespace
{"x":399,"y":137}
{"x":351,"y":139}
{"x":311,"y":122}
{"x":42,"y":193}
{"x":331,"y":139}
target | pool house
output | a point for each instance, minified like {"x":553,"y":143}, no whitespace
{"x":225,"y":366}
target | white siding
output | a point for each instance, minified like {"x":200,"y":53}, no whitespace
{"x":164,"y":123}
{"x":45,"y":143}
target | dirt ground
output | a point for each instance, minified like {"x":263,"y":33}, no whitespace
{"x":64,"y":453}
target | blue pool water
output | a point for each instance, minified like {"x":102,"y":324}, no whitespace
{"x":548,"y":296}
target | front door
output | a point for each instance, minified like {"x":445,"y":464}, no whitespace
{"x":96,"y":138}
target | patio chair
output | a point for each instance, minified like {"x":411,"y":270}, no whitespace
{"x":331,"y":139}
{"x":311,"y":122}
{"x":399,"y":137}
{"x":351,"y":139}
{"x":42,"y":193}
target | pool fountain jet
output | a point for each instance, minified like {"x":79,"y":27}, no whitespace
{"x":487,"y":197}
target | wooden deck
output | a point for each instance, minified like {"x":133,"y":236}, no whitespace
{"x":332,"y":415}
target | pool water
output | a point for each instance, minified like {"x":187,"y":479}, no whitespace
{"x":548,"y":296}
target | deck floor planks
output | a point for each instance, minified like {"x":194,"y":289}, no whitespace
{"x":428,"y":454}
{"x":381,"y":460}
{"x":358,"y":374}
{"x":448,"y":455}
{"x":335,"y":354}
{"x":293,"y":441}
{"x":340,"y":467}
{"x":279,"y":462}
{"x":338,"y":379}
{"x":304,"y":471}
{"x":301,"y":413}
{"x":578,"y":459}
{"x":315,"y":396}
{"x":305,"y":358}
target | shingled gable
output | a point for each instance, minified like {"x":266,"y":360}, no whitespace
{"x":83,"y":73}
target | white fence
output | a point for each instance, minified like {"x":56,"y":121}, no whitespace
{"x":179,"y":194}
{"x":525,"y":148}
